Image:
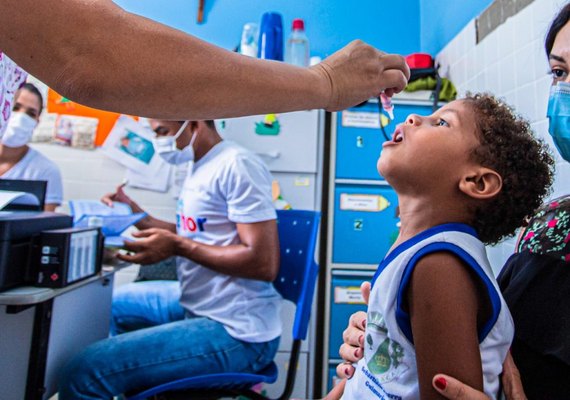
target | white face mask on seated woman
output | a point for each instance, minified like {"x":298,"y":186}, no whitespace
{"x":166,"y":148}
{"x":19,"y":130}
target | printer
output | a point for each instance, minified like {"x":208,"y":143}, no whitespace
{"x":19,"y":230}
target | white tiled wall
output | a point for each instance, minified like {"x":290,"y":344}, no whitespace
{"x":511,"y":63}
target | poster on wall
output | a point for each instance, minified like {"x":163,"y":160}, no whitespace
{"x":45,"y":130}
{"x":74,"y":131}
{"x":59,"y":104}
{"x":129,"y":143}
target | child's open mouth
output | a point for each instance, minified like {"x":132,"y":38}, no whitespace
{"x":398,"y":135}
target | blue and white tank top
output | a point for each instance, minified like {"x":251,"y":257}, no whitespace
{"x":388,"y":369}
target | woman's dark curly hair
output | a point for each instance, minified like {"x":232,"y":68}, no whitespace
{"x":509,"y":147}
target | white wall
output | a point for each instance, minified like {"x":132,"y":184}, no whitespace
{"x":511,"y":63}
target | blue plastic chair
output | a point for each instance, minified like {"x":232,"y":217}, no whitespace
{"x":296,"y":282}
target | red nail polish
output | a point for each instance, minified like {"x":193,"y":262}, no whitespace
{"x":441,"y":383}
{"x":356,"y":353}
{"x":346,"y":371}
{"x":361,"y":339}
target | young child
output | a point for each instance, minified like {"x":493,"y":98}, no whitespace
{"x":465,"y":176}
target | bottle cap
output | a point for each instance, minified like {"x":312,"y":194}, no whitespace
{"x":298,"y":24}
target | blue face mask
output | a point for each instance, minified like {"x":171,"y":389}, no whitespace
{"x":559,"y":115}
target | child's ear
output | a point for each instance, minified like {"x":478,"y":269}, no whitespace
{"x":482,"y":183}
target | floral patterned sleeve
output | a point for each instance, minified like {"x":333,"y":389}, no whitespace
{"x":548,"y":232}
{"x":11,"y":78}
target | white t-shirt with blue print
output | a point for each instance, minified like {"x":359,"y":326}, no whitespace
{"x":228,"y":186}
{"x":388,"y":369}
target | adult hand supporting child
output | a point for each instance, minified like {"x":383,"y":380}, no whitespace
{"x":453,"y":389}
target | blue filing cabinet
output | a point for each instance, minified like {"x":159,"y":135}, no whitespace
{"x":362,"y":215}
{"x":365,"y":223}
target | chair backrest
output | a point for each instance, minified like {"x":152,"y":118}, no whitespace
{"x":298,"y":270}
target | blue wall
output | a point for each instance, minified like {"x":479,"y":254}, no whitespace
{"x":442,"y":20}
{"x":329,"y":24}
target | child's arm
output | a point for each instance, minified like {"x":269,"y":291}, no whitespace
{"x":444,"y":303}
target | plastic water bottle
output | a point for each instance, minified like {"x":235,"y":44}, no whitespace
{"x":248,"y":44}
{"x":297,"y":50}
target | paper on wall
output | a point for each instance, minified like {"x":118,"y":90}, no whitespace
{"x":130,"y":144}
{"x":44,"y":132}
{"x":159,"y":182}
{"x":74,"y":131}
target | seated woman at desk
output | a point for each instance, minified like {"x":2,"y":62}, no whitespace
{"x":17,"y":159}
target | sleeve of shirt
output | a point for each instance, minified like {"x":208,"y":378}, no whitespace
{"x":54,"y":192}
{"x":11,"y":78}
{"x":248,"y":191}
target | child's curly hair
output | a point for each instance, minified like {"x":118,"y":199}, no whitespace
{"x":509,"y":147}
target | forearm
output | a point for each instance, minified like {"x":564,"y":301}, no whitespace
{"x":102,"y":56}
{"x":236,"y":260}
{"x":149,"y":221}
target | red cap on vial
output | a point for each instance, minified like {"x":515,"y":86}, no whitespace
{"x":298,"y":24}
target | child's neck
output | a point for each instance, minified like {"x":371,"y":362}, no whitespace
{"x":418,"y":214}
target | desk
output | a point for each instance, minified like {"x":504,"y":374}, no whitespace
{"x":41,"y":329}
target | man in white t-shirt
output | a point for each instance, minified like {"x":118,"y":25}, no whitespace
{"x":17,"y":159}
{"x":224,"y":314}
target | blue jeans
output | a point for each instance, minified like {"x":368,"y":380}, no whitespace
{"x":147,"y":357}
{"x":144,"y":304}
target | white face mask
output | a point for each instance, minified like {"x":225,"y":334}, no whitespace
{"x":166,"y":148}
{"x":19,"y":130}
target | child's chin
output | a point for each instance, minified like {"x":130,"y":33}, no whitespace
{"x":382,"y":166}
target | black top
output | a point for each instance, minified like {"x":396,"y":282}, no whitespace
{"x":536,"y":288}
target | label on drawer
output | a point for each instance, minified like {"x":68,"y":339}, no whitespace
{"x":360,"y":119}
{"x":363,"y":202}
{"x":348,"y":295}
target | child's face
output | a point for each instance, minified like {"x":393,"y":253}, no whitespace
{"x":427,"y":150}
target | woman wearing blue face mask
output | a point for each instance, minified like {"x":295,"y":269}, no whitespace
{"x":535,"y":281}
{"x":557,"y":47}
{"x":17,"y":159}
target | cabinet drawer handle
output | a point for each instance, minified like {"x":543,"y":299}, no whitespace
{"x":270,"y":154}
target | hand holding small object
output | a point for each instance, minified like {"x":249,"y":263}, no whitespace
{"x":119,"y":195}
{"x":153,"y":245}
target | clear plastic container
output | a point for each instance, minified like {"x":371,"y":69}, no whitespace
{"x":297,"y":49}
{"x":248,"y":44}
